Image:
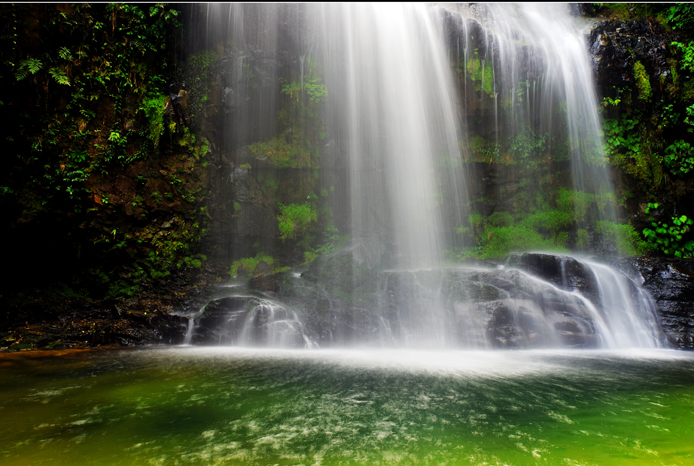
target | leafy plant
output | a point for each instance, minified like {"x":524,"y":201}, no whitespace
{"x":687,"y":60}
{"x":153,"y":108}
{"x":680,"y":16}
{"x":670,"y":239}
{"x":28,"y":66}
{"x":679,"y":157}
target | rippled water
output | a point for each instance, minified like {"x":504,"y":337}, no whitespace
{"x":207,"y":406}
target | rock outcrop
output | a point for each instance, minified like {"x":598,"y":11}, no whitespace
{"x":670,"y":281}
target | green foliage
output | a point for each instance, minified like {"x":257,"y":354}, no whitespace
{"x":497,"y":235}
{"x":544,"y":227}
{"x":28,"y":66}
{"x":581,"y":239}
{"x":579,"y":203}
{"x":484,"y":151}
{"x":670,"y":239}
{"x":625,"y":237}
{"x":643,"y":83}
{"x":297,"y":145}
{"x":332,"y":239}
{"x":481,"y":74}
{"x":87,"y":100}
{"x":295,"y":219}
{"x":628,"y":144}
{"x":687,"y":60}
{"x":96,"y":68}
{"x":283,"y":154}
{"x":59,"y":75}
{"x":310,"y":88}
{"x":679,"y":157}
{"x":527,"y":144}
{"x":247,"y":266}
{"x":153,"y":108}
{"x":680,"y":16}
{"x":500,"y":241}
{"x":199,"y":73}
{"x":500,"y":219}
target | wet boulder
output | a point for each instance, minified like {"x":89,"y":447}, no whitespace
{"x":564,"y":272}
{"x":221,"y":321}
{"x":670,"y":281}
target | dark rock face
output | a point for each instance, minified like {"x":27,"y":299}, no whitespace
{"x":107,"y":324}
{"x":670,"y":281}
{"x":265,"y":282}
{"x":612,"y":43}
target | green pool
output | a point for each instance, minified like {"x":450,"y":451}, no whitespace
{"x":226,"y":406}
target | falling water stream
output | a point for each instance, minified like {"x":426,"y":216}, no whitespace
{"x":401,"y":367}
{"x":395,"y":114}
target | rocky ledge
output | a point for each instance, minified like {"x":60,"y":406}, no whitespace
{"x":52,"y":321}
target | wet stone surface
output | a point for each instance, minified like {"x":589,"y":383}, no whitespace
{"x":670,"y":281}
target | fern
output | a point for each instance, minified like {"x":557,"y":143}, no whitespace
{"x":27,"y":67}
{"x":65,"y":54}
{"x":60,"y":76}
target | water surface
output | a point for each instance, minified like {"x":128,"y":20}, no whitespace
{"x":219,"y":406}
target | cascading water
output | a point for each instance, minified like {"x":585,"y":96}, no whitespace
{"x":387,"y":68}
{"x":532,"y":62}
{"x":395,"y":135}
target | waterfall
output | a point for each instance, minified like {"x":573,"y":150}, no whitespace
{"x":540,"y":70}
{"x":390,"y":77}
{"x":383,"y":120}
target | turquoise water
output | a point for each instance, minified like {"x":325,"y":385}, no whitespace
{"x":219,"y":406}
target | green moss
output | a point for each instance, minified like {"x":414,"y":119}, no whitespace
{"x":295,"y":219}
{"x":283,"y":154}
{"x":199,"y":73}
{"x":581,"y":239}
{"x":643,"y":83}
{"x":551,"y":221}
{"x":482,"y":150}
{"x":310,"y":256}
{"x":500,"y":219}
{"x":481,"y":75}
{"x":627,"y":240}
{"x":248,"y":265}
{"x":501,"y":241}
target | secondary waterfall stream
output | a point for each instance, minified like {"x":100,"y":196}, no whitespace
{"x":389,"y":111}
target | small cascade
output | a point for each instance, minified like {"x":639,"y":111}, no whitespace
{"x":275,"y":325}
{"x":532,"y":301}
{"x":622,"y":314}
{"x":190,"y":329}
{"x":630,"y":312}
{"x":245,"y":319}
